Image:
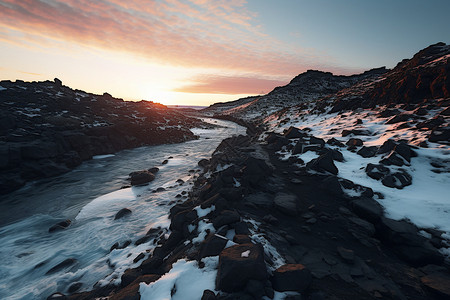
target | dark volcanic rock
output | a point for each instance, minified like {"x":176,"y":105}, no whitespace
{"x":346,"y":132}
{"x":397,"y":180}
{"x":324,"y":163}
{"x":141,"y":177}
{"x":212,"y":246}
{"x":376,"y":171}
{"x":293,"y":133}
{"x":226,"y":217}
{"x":238,"y":264}
{"x":121,"y":213}
{"x":208,"y":295}
{"x":367,"y":151}
{"x":291,"y":277}
{"x":440,"y":135}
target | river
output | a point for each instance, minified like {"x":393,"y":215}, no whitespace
{"x":90,"y":196}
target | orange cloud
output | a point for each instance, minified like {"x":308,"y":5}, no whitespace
{"x":231,"y":85}
{"x":202,"y":34}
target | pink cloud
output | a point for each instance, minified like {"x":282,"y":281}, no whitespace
{"x":196,"y":33}
{"x":231,"y":85}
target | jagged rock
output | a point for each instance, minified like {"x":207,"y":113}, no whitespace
{"x":335,"y":154}
{"x":387,"y":147}
{"x":397,"y":180}
{"x":121,"y":213}
{"x":323,"y":163}
{"x":212,"y":246}
{"x":291,"y":277}
{"x":399,"y":118}
{"x":141,"y":177}
{"x":376,"y":171}
{"x":293,"y":133}
{"x":317,"y":141}
{"x":405,"y":151}
{"x":367,"y":151}
{"x":299,"y":147}
{"x":394,"y":159}
{"x":60,"y":226}
{"x":286,"y":203}
{"x":238,"y":264}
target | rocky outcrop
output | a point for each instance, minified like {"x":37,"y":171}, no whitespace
{"x":47,"y":129}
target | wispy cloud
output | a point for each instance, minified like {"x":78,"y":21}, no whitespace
{"x":203,"y":34}
{"x":231,"y":85}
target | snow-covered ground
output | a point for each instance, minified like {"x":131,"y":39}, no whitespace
{"x":426,"y":202}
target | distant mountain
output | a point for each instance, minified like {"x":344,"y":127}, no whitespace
{"x":47,"y":128}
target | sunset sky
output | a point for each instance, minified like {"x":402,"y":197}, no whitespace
{"x":196,"y":52}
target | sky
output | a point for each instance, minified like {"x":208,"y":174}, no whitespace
{"x":198,"y":52}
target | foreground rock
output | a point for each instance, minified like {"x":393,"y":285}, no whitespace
{"x":239,"y":264}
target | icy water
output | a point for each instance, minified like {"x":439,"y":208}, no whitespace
{"x":91,"y":196}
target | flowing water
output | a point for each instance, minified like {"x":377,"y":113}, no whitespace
{"x":90,"y":196}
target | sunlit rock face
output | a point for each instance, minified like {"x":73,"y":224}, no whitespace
{"x":47,"y":128}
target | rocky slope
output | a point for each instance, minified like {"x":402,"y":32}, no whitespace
{"x":304,"y":88}
{"x":47,"y":128}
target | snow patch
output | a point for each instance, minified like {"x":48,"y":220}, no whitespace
{"x":184,"y":281}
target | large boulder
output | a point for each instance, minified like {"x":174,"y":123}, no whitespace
{"x":238,"y":264}
{"x":212,"y":246}
{"x":226,"y":217}
{"x":367,"y":151}
{"x":293,"y":133}
{"x":323,"y":163}
{"x":141,"y":177}
{"x":376,"y":171}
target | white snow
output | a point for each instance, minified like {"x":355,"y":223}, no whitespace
{"x":203,"y":225}
{"x":245,"y":253}
{"x":201,"y":212}
{"x":184,"y":281}
{"x":426,"y":202}
{"x":2,"y":88}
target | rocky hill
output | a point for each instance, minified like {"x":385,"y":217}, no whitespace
{"x":304,"y":88}
{"x":47,"y":128}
